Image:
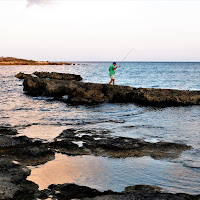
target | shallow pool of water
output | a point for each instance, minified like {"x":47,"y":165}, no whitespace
{"x":115,"y":174}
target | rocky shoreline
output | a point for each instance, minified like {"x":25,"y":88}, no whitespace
{"x":17,"y":61}
{"x":94,"y":93}
{"x":18,"y":152}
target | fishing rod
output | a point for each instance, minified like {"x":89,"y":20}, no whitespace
{"x":126,"y":56}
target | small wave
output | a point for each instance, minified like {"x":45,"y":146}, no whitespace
{"x":190,"y":158}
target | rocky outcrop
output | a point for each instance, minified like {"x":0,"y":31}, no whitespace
{"x":4,"y":130}
{"x":17,"y":61}
{"x":137,"y":192}
{"x":93,"y":93}
{"x":23,"y":149}
{"x":58,"y":76}
{"x":145,"y":192}
{"x":98,"y":144}
{"x":72,"y":191}
{"x":21,"y":75}
{"x":15,"y":154}
{"x":13,"y":183}
{"x":50,"y":75}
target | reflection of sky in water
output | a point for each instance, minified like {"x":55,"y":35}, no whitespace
{"x":46,"y":132}
{"x":115,"y":174}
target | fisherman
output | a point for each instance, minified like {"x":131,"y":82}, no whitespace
{"x":112,"y":69}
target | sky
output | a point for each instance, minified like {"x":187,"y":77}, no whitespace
{"x":100,"y":30}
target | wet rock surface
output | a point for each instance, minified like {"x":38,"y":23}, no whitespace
{"x":146,"y":192}
{"x":24,"y":149}
{"x":72,"y":191}
{"x":98,"y":144}
{"x":4,"y":130}
{"x":58,"y":76}
{"x":21,"y":75}
{"x":16,"y":152}
{"x":94,"y":93}
{"x":137,"y":192}
{"x":13,"y":183}
{"x":50,"y":75}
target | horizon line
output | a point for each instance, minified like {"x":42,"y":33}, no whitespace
{"x":135,"y":61}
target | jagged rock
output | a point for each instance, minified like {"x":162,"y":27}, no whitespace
{"x":143,"y":188}
{"x":68,"y":147}
{"x":58,"y":76}
{"x":73,"y":191}
{"x":13,"y":183}
{"x":10,"y":142}
{"x":4,"y":130}
{"x":25,"y":150}
{"x":22,"y":75}
{"x":117,"y":147}
{"x":50,"y":75}
{"x":138,"y":192}
{"x":93,"y":93}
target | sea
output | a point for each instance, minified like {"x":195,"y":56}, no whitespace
{"x":45,"y":118}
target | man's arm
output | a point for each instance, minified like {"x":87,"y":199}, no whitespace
{"x":116,"y":67}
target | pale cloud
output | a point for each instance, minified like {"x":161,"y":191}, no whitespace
{"x":39,"y":2}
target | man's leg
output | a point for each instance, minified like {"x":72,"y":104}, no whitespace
{"x":112,"y":81}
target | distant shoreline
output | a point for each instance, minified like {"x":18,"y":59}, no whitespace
{"x":17,"y":61}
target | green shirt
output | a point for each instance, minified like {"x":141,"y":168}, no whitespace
{"x":112,"y":70}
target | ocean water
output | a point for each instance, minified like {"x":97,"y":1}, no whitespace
{"x":45,"y":118}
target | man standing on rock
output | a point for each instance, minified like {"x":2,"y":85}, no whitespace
{"x":112,"y":69}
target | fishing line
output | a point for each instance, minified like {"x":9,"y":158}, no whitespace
{"x":126,"y":55}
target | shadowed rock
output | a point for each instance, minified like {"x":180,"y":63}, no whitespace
{"x":58,"y":76}
{"x":13,"y":183}
{"x":137,"y":192}
{"x":50,"y":75}
{"x":7,"y":131}
{"x":93,"y":93}
{"x":145,"y":192}
{"x":21,"y":75}
{"x":116,"y":147}
{"x":13,"y":142}
{"x":25,"y":150}
{"x":71,"y":191}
